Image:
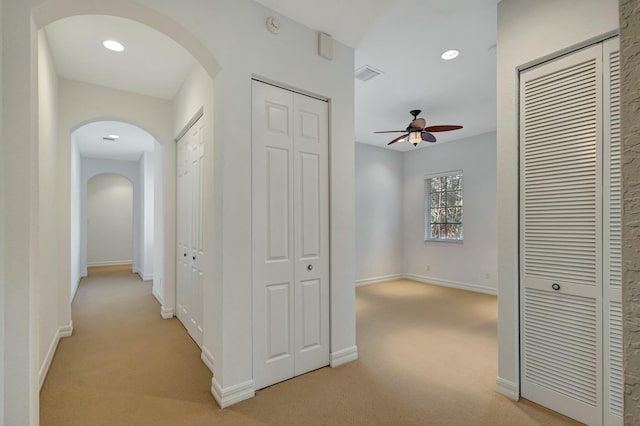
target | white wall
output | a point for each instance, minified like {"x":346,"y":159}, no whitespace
{"x":527,"y":32}
{"x":76,"y":270}
{"x":379,"y":190}
{"x":290,"y":57}
{"x":158,"y":223}
{"x":2,"y":235}
{"x":147,"y":177}
{"x":109,"y":220}
{"x":471,"y":264}
{"x":197,"y":92}
{"x":47,"y":252}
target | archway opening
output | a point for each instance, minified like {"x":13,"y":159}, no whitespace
{"x":110,"y":222}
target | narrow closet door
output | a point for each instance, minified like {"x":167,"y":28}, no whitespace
{"x":311,"y":209}
{"x":190,"y":253}
{"x":196,"y":267}
{"x":272,"y":231}
{"x":612,"y":230}
{"x":183,"y":299}
{"x":561,"y":215}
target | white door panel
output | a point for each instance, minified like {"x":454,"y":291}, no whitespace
{"x":561,"y":281}
{"x":570,"y":233}
{"x":190,"y":255}
{"x":290,"y":234}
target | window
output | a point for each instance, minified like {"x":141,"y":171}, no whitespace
{"x":443,"y":207}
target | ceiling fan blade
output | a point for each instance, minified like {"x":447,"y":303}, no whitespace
{"x":428,"y":137}
{"x":398,"y":139}
{"x":392,"y":131}
{"x":418,"y":123}
{"x":442,"y":128}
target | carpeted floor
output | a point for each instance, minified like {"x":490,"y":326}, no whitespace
{"x":427,"y":357}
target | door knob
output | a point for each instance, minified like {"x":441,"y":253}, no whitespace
{"x":194,"y":258}
{"x":185,"y":255}
{"x":555,"y":286}
{"x":309,"y":267}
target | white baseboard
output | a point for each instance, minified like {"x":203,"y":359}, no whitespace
{"x":63,"y":331}
{"x":110,"y":263}
{"x":167,"y":313}
{"x":143,"y":277}
{"x":507,"y":388}
{"x":452,"y":284}
{"x":379,"y":279}
{"x":344,"y":356}
{"x":207,"y":358}
{"x":232,"y":394}
{"x":157,"y":296}
{"x":84,"y":273}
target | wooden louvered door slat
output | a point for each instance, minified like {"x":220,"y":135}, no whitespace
{"x":612,"y":247}
{"x":561,"y":234}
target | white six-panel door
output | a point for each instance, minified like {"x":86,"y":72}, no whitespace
{"x":570,"y":235}
{"x":190,"y":253}
{"x":290,"y":234}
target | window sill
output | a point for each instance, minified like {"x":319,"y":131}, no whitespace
{"x":444,"y":241}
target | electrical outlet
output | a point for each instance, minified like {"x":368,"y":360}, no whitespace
{"x":487,"y":276}
{"x":428,"y":267}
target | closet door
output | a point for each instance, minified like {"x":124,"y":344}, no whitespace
{"x":190,"y":253}
{"x":612,"y":230}
{"x":183,"y":299}
{"x":311,"y":228}
{"x":290,"y":234}
{"x":561,"y":236}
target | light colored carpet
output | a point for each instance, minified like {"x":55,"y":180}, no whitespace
{"x":427,"y":357}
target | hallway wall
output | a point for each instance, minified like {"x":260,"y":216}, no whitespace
{"x":379,"y":190}
{"x":48,"y":250}
{"x":109,"y":220}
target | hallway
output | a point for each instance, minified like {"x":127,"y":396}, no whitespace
{"x":124,"y":365}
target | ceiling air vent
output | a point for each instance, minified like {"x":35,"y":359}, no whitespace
{"x":366,"y":73}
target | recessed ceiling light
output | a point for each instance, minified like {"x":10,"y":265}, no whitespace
{"x":110,"y":138}
{"x":114,"y":136}
{"x":449,"y":54}
{"x":113,"y":45}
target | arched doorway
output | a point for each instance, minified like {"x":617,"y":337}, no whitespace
{"x":110,"y":221}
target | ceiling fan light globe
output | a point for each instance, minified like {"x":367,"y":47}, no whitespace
{"x":415,"y":138}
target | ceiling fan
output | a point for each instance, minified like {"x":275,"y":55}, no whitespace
{"x":418,"y":132}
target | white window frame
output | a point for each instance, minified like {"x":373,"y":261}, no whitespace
{"x":427,"y":207}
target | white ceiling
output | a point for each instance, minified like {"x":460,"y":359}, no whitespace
{"x":404,"y":39}
{"x":132,"y":143}
{"x":152,"y":64}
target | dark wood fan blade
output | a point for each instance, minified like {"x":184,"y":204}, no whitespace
{"x":398,"y":139}
{"x":428,"y":137}
{"x":392,"y":131}
{"x":442,"y":128}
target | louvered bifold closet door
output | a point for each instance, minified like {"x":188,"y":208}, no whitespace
{"x":561,"y":214}
{"x":612,"y":233}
